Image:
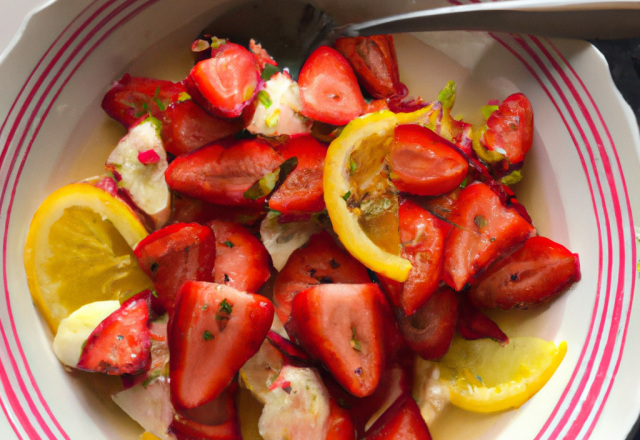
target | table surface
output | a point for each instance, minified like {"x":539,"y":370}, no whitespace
{"x":623,"y":57}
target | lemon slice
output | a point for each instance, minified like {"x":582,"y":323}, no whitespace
{"x":79,"y":250}
{"x":359,"y":195}
{"x":484,"y":377}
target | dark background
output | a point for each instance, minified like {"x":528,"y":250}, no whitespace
{"x":623,"y":57}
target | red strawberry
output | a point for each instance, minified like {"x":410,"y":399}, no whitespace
{"x":228,"y":80}
{"x":131,"y":97}
{"x":189,"y":210}
{"x":341,"y":425}
{"x":321,"y":261}
{"x":121,"y":343}
{"x":424,"y":163}
{"x":242,"y":262}
{"x":422,"y":235}
{"x":402,"y":421}
{"x":343,"y":326}
{"x":187,"y":127}
{"x":374,"y":61}
{"x":221,"y":175}
{"x":510,"y":128}
{"x":175,"y":254}
{"x":430,"y":329}
{"x":473,"y":324}
{"x":215,"y":420}
{"x":329,"y":90}
{"x":485,"y":229}
{"x":534,"y":274}
{"x":302,"y":190}
{"x":212,"y":322}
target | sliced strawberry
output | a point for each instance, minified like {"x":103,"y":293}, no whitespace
{"x":175,"y":254}
{"x":228,"y":80}
{"x":121,"y":343}
{"x":215,"y":420}
{"x":422,"y":236}
{"x":222,"y":175}
{"x":340,"y":422}
{"x":473,"y":324}
{"x":402,"y":421}
{"x":430,"y":329}
{"x":424,"y":163}
{"x":485,"y":229}
{"x":242,"y":262}
{"x":321,"y":261}
{"x":288,"y":348}
{"x":187,"y":127}
{"x":535,"y":274}
{"x":342,"y":326}
{"x":189,"y":210}
{"x":212,"y":322}
{"x":510,"y":128}
{"x":302,"y":189}
{"x":329,"y":89}
{"x":442,"y":206}
{"x":374,"y":61}
{"x":131,"y":97}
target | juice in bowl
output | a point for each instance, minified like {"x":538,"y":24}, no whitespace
{"x":553,"y":209}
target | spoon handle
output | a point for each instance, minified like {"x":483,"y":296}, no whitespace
{"x":584,"y":19}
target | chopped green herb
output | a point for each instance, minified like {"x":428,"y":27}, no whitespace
{"x":264,"y":98}
{"x":207,"y":335}
{"x":514,"y":127}
{"x":205,"y":307}
{"x":268,"y":71}
{"x":353,"y":166}
{"x":492,"y":239}
{"x":447,"y":96}
{"x":229,"y":244}
{"x":217,"y":42}
{"x":487,"y":110}
{"x":154,"y":293}
{"x":513,"y":178}
{"x":183,"y":96}
{"x":480,"y":221}
{"x":464,"y":183}
{"x":355,"y":344}
{"x":346,"y":196}
{"x":224,"y":314}
{"x":225,"y":306}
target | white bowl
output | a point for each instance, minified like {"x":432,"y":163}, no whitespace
{"x":579,"y":184}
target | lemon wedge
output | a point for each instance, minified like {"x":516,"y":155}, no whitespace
{"x":484,"y":377}
{"x":360,"y":198}
{"x":79,"y":250}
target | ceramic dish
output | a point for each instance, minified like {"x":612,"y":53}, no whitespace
{"x":579,"y":188}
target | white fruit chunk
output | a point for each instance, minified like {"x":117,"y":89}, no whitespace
{"x":278,"y":109}
{"x":300,"y":410}
{"x":281,"y":239}
{"x":76,"y":328}
{"x":150,"y":406}
{"x":430,"y":394}
{"x":261,"y":370}
{"x":145,"y":183}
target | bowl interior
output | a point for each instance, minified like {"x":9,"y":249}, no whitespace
{"x":76,"y":137}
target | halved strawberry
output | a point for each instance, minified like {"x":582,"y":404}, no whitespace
{"x":242,"y":262}
{"x":510,"y":128}
{"x":222,"y":175}
{"x":485,"y":229}
{"x":215,"y":420}
{"x":175,"y":254}
{"x":212,"y":322}
{"x":473,"y":324}
{"x":302,"y":189}
{"x":430,"y":329}
{"x":187,"y":127}
{"x":424,"y":163}
{"x":343,"y":327}
{"x":121,"y":343}
{"x":402,"y":421}
{"x":321,"y":261}
{"x":374,"y":60}
{"x":131,"y":97}
{"x":340,"y":422}
{"x":228,"y":80}
{"x":329,"y":89}
{"x":534,"y":274}
{"x":422,"y":236}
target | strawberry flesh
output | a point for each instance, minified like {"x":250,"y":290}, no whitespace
{"x":343,"y":327}
{"x":473,"y":324}
{"x":212,"y":322}
{"x":175,"y":254}
{"x":402,"y":421}
{"x":329,"y":89}
{"x":121,"y":343}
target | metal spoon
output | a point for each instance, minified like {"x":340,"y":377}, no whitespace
{"x":290,"y":29}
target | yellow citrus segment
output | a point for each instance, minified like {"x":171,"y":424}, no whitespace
{"x":484,"y":377}
{"x":79,"y":250}
{"x":148,"y":436}
{"x":370,"y":241}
